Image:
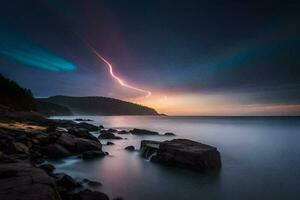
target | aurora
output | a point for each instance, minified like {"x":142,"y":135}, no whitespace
{"x":24,"y":52}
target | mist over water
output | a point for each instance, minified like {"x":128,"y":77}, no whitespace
{"x":260,"y":159}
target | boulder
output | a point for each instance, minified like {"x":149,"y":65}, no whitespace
{"x":89,"y":195}
{"x":137,"y":131}
{"x":130,"y":148}
{"x":149,"y":148}
{"x":108,"y":136}
{"x":89,"y":127}
{"x":184,"y":153}
{"x":110,"y":143}
{"x":78,"y":145}
{"x":47,"y":167}
{"x":54,"y":151}
{"x":65,"y":181}
{"x":21,"y":180}
{"x":91,"y":183}
{"x":92,"y":154}
{"x":20,"y":147}
{"x":82,"y":120}
{"x":101,"y":127}
{"x":123,"y":132}
{"x":82,"y":133}
{"x":83,"y":145}
{"x":169,"y":134}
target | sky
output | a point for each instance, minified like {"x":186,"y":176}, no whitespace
{"x":194,"y":57}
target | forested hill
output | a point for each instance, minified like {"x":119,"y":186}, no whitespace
{"x":15,"y":97}
{"x":99,"y":106}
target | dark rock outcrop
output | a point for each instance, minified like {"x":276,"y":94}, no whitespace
{"x":137,"y":131}
{"x":78,"y":145}
{"x":123,"y":132}
{"x":82,"y":120}
{"x":21,"y":180}
{"x":110,"y":143}
{"x":169,"y":134}
{"x":130,"y":148}
{"x":149,"y":148}
{"x":54,"y":151}
{"x":183,"y":153}
{"x":82,"y":133}
{"x":108,"y":136}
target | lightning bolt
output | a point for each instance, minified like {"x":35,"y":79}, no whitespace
{"x":118,"y":79}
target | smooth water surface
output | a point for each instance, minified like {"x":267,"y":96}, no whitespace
{"x":260,"y":159}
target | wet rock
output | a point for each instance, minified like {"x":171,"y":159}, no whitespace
{"x":82,"y":120}
{"x":89,"y":195}
{"x":20,"y":147}
{"x":110,"y":143}
{"x":149,"y":148}
{"x":169,"y":134}
{"x":101,"y":127}
{"x":92,"y":154}
{"x":78,"y":145}
{"x":83,"y":145}
{"x":123,"y":132}
{"x":130,"y":148}
{"x":89,"y":127}
{"x":65,"y":181}
{"x":48,"y":168}
{"x":143,"y":132}
{"x":187,"y":154}
{"x":54,"y":151}
{"x":82,"y":133}
{"x":91,"y":183}
{"x":21,"y":180}
{"x":108,"y":136}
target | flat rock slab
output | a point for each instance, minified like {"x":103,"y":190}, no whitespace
{"x":183,"y":153}
{"x":23,"y":181}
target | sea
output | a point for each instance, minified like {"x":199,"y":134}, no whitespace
{"x":260,"y":159}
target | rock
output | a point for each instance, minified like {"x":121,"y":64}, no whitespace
{"x":130,"y":148}
{"x":187,"y":154}
{"x":83,"y":145}
{"x":21,"y":180}
{"x":89,"y":195}
{"x":82,"y":133}
{"x":149,"y":148}
{"x":101,"y":127}
{"x":92,"y":154}
{"x":123,"y":132}
{"x":82,"y":120}
{"x":20,"y":147}
{"x":89,"y":127}
{"x":78,"y":145}
{"x":169,"y":134}
{"x":54,"y":151}
{"x":91,"y":183}
{"x":143,"y":132}
{"x":48,"y":168}
{"x":110,"y":143}
{"x":108,"y":136}
{"x":65,"y":181}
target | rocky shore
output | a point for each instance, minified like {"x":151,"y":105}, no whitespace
{"x":28,"y":141}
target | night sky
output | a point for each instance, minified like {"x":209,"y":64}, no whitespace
{"x":196,"y":57}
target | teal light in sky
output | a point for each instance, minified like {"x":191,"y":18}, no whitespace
{"x":32,"y":55}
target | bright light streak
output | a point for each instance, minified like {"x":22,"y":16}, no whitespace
{"x":119,"y":80}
